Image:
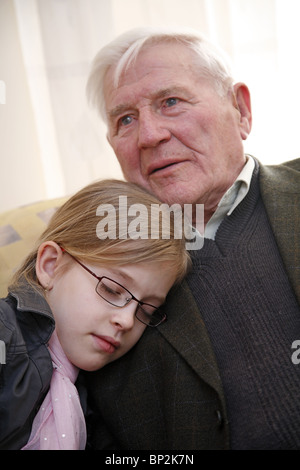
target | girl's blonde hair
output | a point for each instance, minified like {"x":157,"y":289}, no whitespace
{"x":74,"y":227}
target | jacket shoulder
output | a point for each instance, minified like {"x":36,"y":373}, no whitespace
{"x":282,"y":178}
{"x":280,"y":190}
{"x":294,"y":164}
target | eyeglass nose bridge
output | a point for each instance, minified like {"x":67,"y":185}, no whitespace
{"x":138,"y":307}
{"x":128,"y":300}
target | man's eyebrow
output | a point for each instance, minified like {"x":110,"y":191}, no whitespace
{"x":118,"y":110}
{"x":171,"y":91}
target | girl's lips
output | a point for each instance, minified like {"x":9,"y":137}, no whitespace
{"x":106,"y":343}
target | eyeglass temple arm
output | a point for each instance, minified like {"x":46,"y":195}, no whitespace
{"x":82,"y":265}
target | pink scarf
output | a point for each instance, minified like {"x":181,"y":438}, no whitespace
{"x":59,"y":423}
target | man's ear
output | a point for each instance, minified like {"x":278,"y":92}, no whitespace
{"x":243,"y":101}
{"x":48,"y":259}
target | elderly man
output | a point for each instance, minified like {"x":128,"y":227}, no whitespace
{"x":219,"y":374}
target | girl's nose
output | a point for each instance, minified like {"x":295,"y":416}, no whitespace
{"x":124,"y":318}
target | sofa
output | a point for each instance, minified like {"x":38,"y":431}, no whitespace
{"x":19,"y":230}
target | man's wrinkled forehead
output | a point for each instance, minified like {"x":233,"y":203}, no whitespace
{"x":163,"y":60}
{"x":171,"y":56}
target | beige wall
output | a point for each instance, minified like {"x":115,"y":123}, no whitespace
{"x":18,"y":139}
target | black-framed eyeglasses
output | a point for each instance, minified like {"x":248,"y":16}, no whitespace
{"x":118,"y":296}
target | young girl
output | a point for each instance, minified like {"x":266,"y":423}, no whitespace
{"x":80,"y":300}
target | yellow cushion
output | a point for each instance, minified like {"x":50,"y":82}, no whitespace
{"x":19,"y":229}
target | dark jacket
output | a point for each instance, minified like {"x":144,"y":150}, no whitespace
{"x":166,"y":393}
{"x":26,"y":324}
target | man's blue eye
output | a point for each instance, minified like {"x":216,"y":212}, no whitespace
{"x":125,"y":120}
{"x":171,"y":102}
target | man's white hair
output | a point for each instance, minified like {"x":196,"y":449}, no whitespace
{"x":122,"y":51}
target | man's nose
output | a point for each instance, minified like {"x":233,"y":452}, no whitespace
{"x":153,"y":129}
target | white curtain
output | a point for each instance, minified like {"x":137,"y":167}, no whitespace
{"x":58,"y":40}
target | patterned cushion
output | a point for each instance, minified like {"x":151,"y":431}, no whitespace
{"x":19,"y":229}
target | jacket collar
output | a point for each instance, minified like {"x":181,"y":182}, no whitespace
{"x":31,"y":300}
{"x":186,"y":332}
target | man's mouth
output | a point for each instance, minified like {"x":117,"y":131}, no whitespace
{"x":162,"y":168}
{"x":155,"y":168}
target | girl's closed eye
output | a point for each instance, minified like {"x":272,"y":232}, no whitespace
{"x":110,"y":289}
